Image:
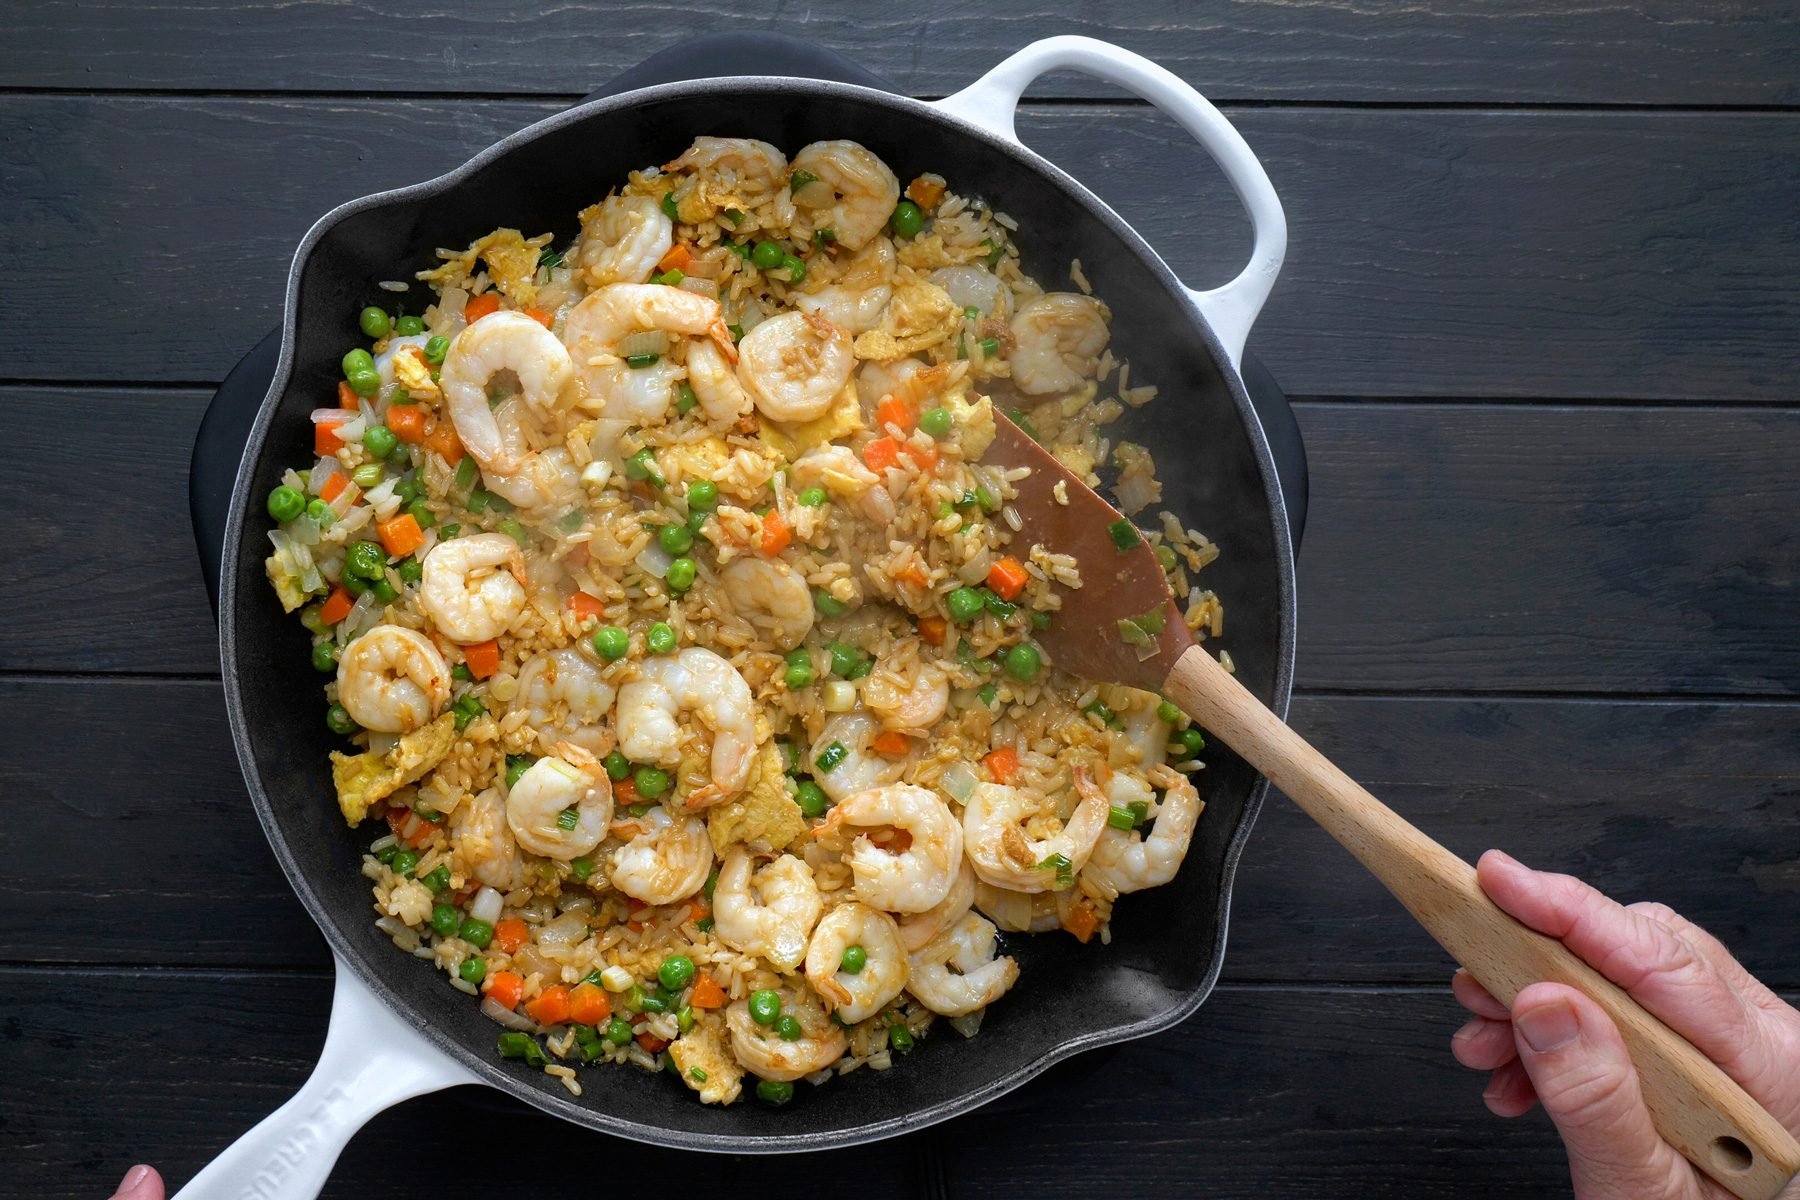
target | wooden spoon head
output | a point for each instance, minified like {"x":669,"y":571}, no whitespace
{"x":1117,"y":583}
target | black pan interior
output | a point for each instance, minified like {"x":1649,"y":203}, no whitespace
{"x":1167,"y":943}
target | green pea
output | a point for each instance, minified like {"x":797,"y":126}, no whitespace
{"x":338,"y":720}
{"x":358,"y":360}
{"x":682,"y":572}
{"x":676,"y":972}
{"x":811,"y":798}
{"x":766,"y":255}
{"x":765,"y":1006}
{"x":311,"y":620}
{"x":774,"y":1092}
{"x":799,"y":670}
{"x":702,"y":495}
{"x":374,"y":322}
{"x":366,"y":559}
{"x":404,"y":862}
{"x":444,"y":919}
{"x":965,"y":605}
{"x":675,"y":539}
{"x":685,"y":399}
{"x":651,"y":782}
{"x":473,"y":970}
{"x":364,"y":383}
{"x":385,"y":855}
{"x":1165,"y":558}
{"x":642,"y":466}
{"x":408,"y":489}
{"x":660,"y":639}
{"x":618,"y":1031}
{"x":321,"y":512}
{"x":1040,"y":620}
{"x":936,"y":422}
{"x":419,"y":511}
{"x":908,"y":219}
{"x":814,"y":497}
{"x":795,"y":268}
{"x":788,"y":1029}
{"x":844,"y":659}
{"x":436,"y":349}
{"x":900,"y":1039}
{"x":1191,"y":741}
{"x":324,"y":656}
{"x":854,"y":960}
{"x":366,"y":476}
{"x":355,"y":584}
{"x":617,"y":765}
{"x":379,"y":440}
{"x":829,"y":605}
{"x":512,"y":529}
{"x":286,"y":503}
{"x":439,"y":879}
{"x":1022,"y":662}
{"x":409,"y":326}
{"x":477,"y":933}
{"x":1167,"y":713}
{"x":611,"y":642}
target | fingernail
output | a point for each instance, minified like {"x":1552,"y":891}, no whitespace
{"x":1505,"y":859}
{"x":1549,"y":1026}
{"x":132,"y":1178}
{"x":1467,"y":1031}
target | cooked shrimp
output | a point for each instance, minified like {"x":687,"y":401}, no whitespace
{"x":737,"y":171}
{"x":915,"y":878}
{"x":473,"y":587}
{"x":864,"y":190}
{"x":1019,"y":912}
{"x":1002,"y":854}
{"x":908,"y":694}
{"x":764,"y":1052}
{"x":625,"y":240}
{"x":918,"y":928}
{"x":1128,"y":862}
{"x":860,"y":767}
{"x":856,"y":995}
{"x":666,"y":862}
{"x":698,"y":681}
{"x":855,"y":299}
{"x":547,"y":479}
{"x":973,"y":287}
{"x":607,"y":316}
{"x":770,"y":912}
{"x":715,"y":382}
{"x":392,"y":680}
{"x":958,"y":973}
{"x":510,"y":342}
{"x":569,"y":780}
{"x":794,"y":365}
{"x":772,"y":596}
{"x":1060,"y":336}
{"x":565,"y":698}
{"x":482,"y":844}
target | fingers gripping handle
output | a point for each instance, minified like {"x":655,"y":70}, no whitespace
{"x":372,"y":1059}
{"x":992,"y":101}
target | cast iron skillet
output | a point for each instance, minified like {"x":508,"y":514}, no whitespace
{"x":397,"y":1028}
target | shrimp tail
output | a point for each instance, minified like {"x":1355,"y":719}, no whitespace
{"x":721,"y":337}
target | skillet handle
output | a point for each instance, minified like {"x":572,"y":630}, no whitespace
{"x":371,"y":1060}
{"x":991,"y":101}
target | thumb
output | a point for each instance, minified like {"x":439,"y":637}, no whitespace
{"x":1585,"y":1080}
{"x":140,"y":1183}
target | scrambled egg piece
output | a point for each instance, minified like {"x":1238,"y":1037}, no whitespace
{"x":703,"y":1049}
{"x":842,"y":419}
{"x":703,"y":459}
{"x":511,"y":260}
{"x":974,"y":423}
{"x":364,"y":778}
{"x":287,"y":588}
{"x":764,"y":817}
{"x":415,"y":377}
{"x":929,"y":252}
{"x":918,"y":317}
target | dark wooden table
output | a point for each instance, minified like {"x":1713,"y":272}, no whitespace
{"x":1541,"y":323}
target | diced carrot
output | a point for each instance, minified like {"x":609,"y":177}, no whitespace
{"x":1002,"y":764}
{"x":325,"y":438}
{"x":484,"y":305}
{"x":483,"y":658}
{"x":443,"y":439}
{"x":400,"y":536}
{"x":881,"y":453}
{"x":916,"y":575}
{"x":625,"y":793}
{"x":336,"y":607}
{"x":347,"y":396}
{"x":506,"y":988}
{"x":634,"y":906}
{"x":1007,"y":577}
{"x":926,"y":193}
{"x":588,"y":1004}
{"x":895,"y":411}
{"x":679,"y":258}
{"x":334,"y":487}
{"x":551,"y":1006}
{"x":1082,"y":920}
{"x":406,"y":422}
{"x":775,"y":535}
{"x":542,"y":316}
{"x":584,"y":606}
{"x":707,"y":993}
{"x":652,"y":1043}
{"x":892,"y":744}
{"x":923,"y":457}
{"x":933,"y":630}
{"x":510,"y":934}
{"x":696,"y":909}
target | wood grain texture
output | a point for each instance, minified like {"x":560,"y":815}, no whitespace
{"x":1600,"y":52}
{"x":134,"y":847}
{"x":1434,"y":253}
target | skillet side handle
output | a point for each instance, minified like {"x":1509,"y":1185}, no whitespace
{"x":991,"y":102}
{"x":371,"y":1060}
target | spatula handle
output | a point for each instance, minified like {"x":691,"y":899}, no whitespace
{"x":1697,"y":1108}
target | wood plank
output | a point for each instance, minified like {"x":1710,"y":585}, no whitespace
{"x":1690,"y":804}
{"x":1434,"y":253}
{"x":1458,"y":51}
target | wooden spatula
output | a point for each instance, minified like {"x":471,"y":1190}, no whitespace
{"x":1697,"y":1107}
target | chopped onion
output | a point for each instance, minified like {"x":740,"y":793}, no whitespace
{"x":566,"y":930}
{"x":604,"y":444}
{"x":451,"y":303}
{"x":700,"y":287}
{"x":365,"y":614}
{"x":304,"y":530}
{"x":381,"y":743}
{"x":322,"y":471}
{"x":655,"y":559}
{"x":959,"y":781}
{"x":491,"y":1009}
{"x":969,"y":1023}
{"x":487,"y":905}
{"x":644,"y":341}
{"x":352,"y":430}
{"x":976,"y":569}
{"x":817,"y":194}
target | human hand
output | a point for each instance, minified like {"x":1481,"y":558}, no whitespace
{"x":140,"y":1183}
{"x":1557,"y":1047}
